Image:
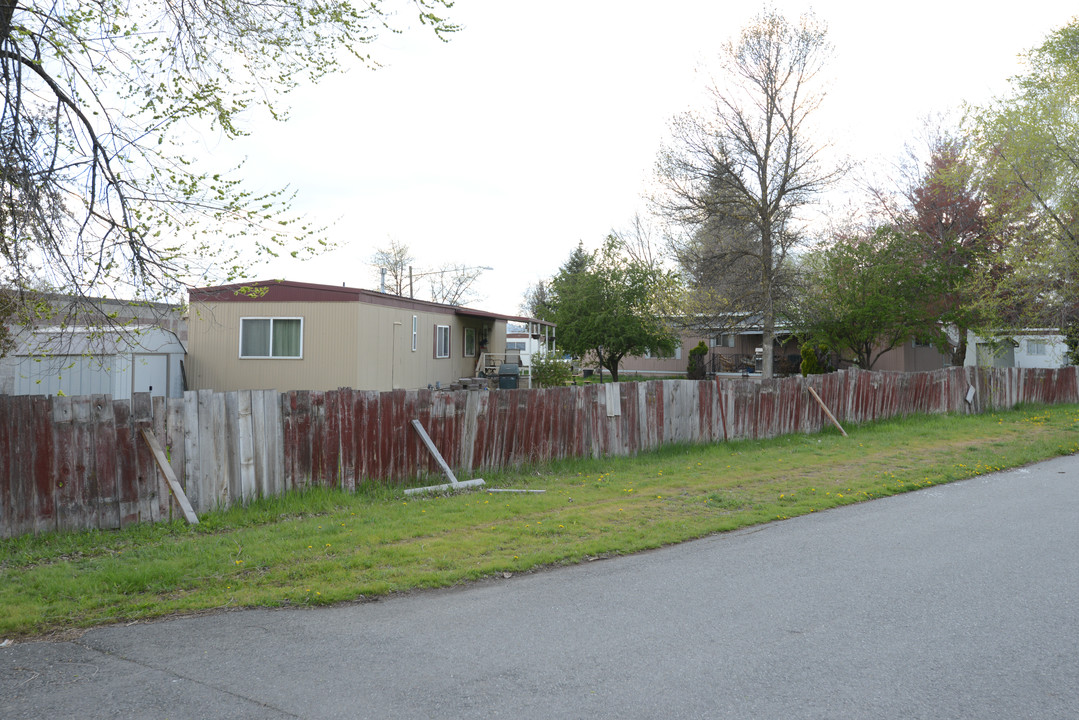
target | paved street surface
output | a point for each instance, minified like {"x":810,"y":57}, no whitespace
{"x":959,"y":601}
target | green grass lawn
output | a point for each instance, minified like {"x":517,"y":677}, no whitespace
{"x":321,"y":547}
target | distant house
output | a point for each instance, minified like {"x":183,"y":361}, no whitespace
{"x":739,"y":349}
{"x":104,"y":346}
{"x":526,"y":337}
{"x":285,"y":335}
{"x":1029,"y":348}
{"x":734,"y":350}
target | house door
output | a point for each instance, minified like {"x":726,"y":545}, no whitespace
{"x":150,"y":373}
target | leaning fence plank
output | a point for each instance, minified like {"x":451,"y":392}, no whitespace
{"x":170,"y":477}
{"x":418,"y":427}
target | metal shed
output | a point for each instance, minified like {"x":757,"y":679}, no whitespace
{"x":87,"y":361}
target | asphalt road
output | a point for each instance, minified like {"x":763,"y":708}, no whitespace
{"x":960,"y":601}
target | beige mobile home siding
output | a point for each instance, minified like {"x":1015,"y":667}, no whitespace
{"x":345,"y":344}
{"x":330,"y":338}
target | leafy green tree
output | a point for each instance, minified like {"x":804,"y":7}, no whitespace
{"x":1028,"y":146}
{"x":100,"y":190}
{"x":946,"y":210}
{"x":867,"y":295}
{"x":605,"y":305}
{"x":741,"y":171}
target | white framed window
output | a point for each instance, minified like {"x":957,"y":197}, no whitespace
{"x":514,"y":345}
{"x":470,"y":342}
{"x":724,"y":340}
{"x":677,"y":354}
{"x":272,"y":337}
{"x":1037,"y":347}
{"x":415,"y":332}
{"x":442,"y":341}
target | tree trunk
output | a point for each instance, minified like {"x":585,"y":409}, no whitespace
{"x":7,"y":12}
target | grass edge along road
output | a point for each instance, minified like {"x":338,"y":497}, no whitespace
{"x":320,"y":546}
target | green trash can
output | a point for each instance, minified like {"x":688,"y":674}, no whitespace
{"x":508,"y":376}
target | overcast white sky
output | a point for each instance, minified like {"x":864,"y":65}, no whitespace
{"x":538,"y":125}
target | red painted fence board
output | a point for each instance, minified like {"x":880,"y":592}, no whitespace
{"x":71,"y":463}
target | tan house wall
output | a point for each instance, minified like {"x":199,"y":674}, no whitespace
{"x":744,"y":346}
{"x":908,"y":358}
{"x":345,"y":344}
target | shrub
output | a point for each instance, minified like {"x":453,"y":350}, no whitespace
{"x":696,"y":368}
{"x":549,"y":371}
{"x":811,"y":364}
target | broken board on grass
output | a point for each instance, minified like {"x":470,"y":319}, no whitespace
{"x":454,"y":484}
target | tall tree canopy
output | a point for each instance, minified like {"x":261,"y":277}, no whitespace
{"x":606,"y":305}
{"x":866,"y":295}
{"x":1028,"y":145}
{"x":99,"y":191}
{"x":945,"y":209}
{"x":736,"y":175}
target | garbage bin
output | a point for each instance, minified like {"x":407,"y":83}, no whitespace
{"x":508,"y":375}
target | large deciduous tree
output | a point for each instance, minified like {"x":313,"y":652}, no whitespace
{"x":606,"y":305}
{"x":1028,"y":144}
{"x":944,"y":207}
{"x":867,"y":294}
{"x":736,"y":175}
{"x":101,"y":189}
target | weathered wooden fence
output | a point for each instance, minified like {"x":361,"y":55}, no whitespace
{"x":80,"y":462}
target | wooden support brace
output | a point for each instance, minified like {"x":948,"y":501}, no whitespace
{"x":170,"y":477}
{"x":418,"y":427}
{"x":826,"y":410}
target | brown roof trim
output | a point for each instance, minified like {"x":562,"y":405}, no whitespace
{"x":291,"y":291}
